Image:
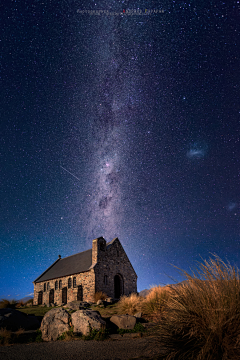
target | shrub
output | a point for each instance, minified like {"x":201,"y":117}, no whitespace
{"x":19,"y":304}
{"x":4,"y":303}
{"x":5,"y":336}
{"x":130,"y":304}
{"x":201,"y":318}
{"x":38,"y":336}
{"x":30,"y":301}
{"x":99,"y":295}
{"x":137,"y":328}
{"x":97,"y":335}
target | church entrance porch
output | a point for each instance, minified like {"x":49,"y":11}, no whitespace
{"x":118,"y":286}
{"x":64,"y":295}
{"x":51,"y":296}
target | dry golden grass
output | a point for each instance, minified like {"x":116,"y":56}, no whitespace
{"x":5,"y":336}
{"x":201,"y":318}
{"x":130,"y":304}
{"x":20,"y":331}
{"x":99,"y":295}
{"x":154,"y":303}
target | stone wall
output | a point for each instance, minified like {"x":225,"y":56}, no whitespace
{"x":85,"y":279}
{"x":114,"y":261}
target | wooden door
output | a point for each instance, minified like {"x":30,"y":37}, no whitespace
{"x":40,"y":296}
{"x":64,"y":295}
{"x":51,"y":296}
{"x":80,"y":293}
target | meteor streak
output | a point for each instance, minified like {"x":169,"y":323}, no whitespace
{"x":70,"y":173}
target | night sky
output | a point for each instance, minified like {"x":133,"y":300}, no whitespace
{"x":119,"y":125}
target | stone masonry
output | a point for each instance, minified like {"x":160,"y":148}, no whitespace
{"x":110,"y":271}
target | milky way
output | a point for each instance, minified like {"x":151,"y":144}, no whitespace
{"x":115,"y":104}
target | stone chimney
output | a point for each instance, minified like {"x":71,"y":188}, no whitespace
{"x":98,"y":246}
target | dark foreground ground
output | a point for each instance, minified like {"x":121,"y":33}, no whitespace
{"x":141,"y":348}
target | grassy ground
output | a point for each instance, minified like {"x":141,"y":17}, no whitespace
{"x":35,"y":310}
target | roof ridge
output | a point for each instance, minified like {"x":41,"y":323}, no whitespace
{"x":75,"y":254}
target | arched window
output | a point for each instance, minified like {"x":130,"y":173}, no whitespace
{"x":117,"y":253}
{"x":48,"y":286}
{"x":105,"y":279}
{"x":56,"y":285}
{"x":69,"y":283}
{"x":60,"y":284}
{"x":44,"y":287}
{"x":74,"y":282}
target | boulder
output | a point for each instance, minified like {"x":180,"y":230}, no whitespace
{"x":100,"y":302}
{"x":109,"y":300}
{"x":54,"y":323}
{"x":76,"y":305}
{"x":84,"y":320}
{"x":138,"y":315}
{"x":12,"y":319}
{"x":124,"y":321}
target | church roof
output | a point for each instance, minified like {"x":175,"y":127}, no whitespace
{"x":70,"y":265}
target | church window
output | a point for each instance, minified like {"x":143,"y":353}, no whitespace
{"x":69,"y":283}
{"x":44,"y":287}
{"x":60,"y":284}
{"x":117,"y":253}
{"x":48,"y":286}
{"x":74,"y":282}
{"x":56,"y":285}
{"x":105,"y":279}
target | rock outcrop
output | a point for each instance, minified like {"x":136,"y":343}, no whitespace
{"x":84,"y":320}
{"x":54,"y":324}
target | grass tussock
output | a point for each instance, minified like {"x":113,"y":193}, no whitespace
{"x":130,"y":304}
{"x":152,"y":305}
{"x":201,"y":320}
{"x":155,"y":301}
{"x":99,"y":295}
{"x":5,"y":336}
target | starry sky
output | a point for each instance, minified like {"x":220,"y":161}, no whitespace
{"x":121,"y":123}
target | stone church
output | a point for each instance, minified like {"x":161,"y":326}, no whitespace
{"x":105,"y":268}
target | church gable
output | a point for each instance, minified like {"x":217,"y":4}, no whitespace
{"x":114,"y":273}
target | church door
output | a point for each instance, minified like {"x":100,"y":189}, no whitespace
{"x":118,"y":286}
{"x":51,"y":296}
{"x":40,"y":296}
{"x":80,"y":293}
{"x":64,"y":295}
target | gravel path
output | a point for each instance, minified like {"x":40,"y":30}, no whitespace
{"x":82,"y":350}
